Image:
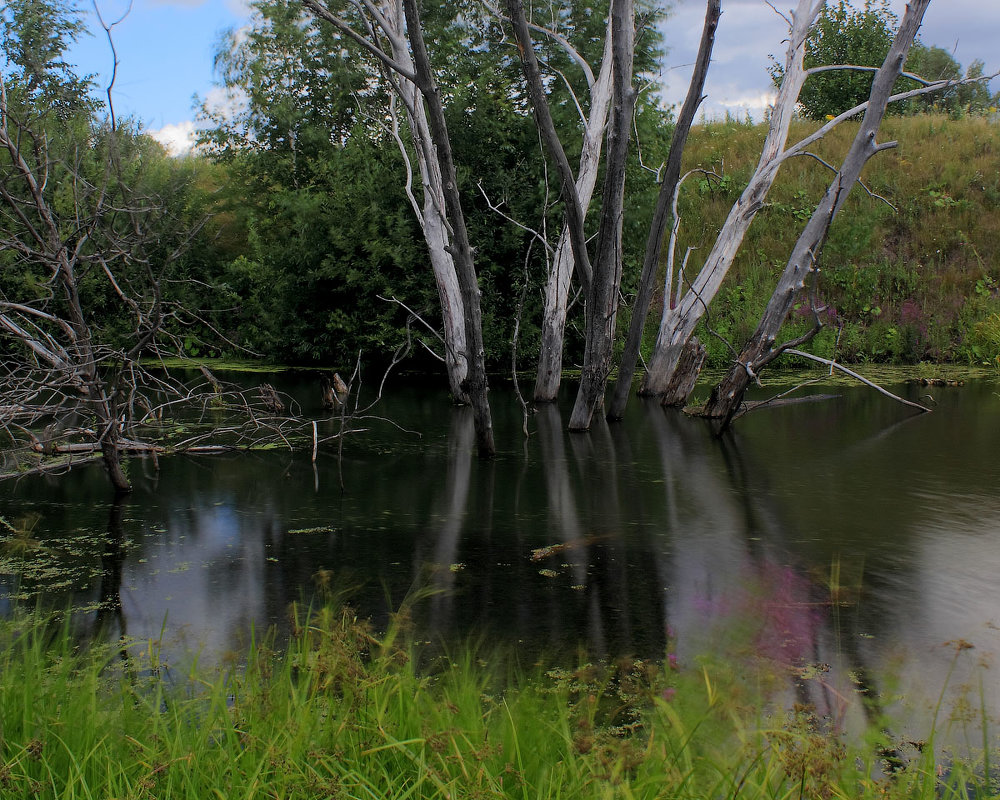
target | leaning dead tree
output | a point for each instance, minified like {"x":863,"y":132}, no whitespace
{"x":390,"y":30}
{"x":686,"y":297}
{"x":803,"y":264}
{"x":684,"y":308}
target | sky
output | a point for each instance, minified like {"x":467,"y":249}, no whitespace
{"x":166,"y":47}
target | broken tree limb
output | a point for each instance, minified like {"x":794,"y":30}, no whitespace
{"x":834,"y":365}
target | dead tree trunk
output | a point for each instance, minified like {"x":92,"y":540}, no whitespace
{"x":547,"y":130}
{"x":803,"y":263}
{"x":387,"y":20}
{"x":409,"y":71}
{"x":664,"y":202}
{"x":556,"y":298}
{"x":602,"y":297}
{"x":52,"y":326}
{"x":686,"y":375}
{"x":680,"y":319}
{"x":432,"y":216}
{"x":475,"y":382}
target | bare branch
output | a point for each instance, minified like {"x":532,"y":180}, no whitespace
{"x":345,"y":27}
{"x":835,"y":365}
{"x":861,"y":183}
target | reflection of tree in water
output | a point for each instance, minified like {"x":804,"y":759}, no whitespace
{"x":587,"y":593}
{"x":650,"y":523}
{"x":450,"y":520}
{"x":800,"y":630}
{"x":109,"y":609}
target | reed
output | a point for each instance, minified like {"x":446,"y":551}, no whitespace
{"x":344,"y":712}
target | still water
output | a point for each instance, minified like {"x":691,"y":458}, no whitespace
{"x":844,"y":540}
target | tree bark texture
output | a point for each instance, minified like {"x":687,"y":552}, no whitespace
{"x":662,"y":212}
{"x":602,"y":297}
{"x":547,"y":129}
{"x":557,"y":285}
{"x":686,"y":375}
{"x":475,"y":382}
{"x":679,"y":321}
{"x":760,"y":350}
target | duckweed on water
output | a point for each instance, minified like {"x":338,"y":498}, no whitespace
{"x":344,"y":712}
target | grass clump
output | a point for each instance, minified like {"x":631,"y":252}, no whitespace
{"x":343,"y":712}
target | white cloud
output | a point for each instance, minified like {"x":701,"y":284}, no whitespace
{"x":227,"y":103}
{"x":239,"y":8}
{"x":177,"y":139}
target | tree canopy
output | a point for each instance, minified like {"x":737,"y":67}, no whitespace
{"x":318,"y":182}
{"x":845,"y":35}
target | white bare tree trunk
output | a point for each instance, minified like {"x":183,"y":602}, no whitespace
{"x":679,"y":320}
{"x":431,"y":213}
{"x":556,"y":299}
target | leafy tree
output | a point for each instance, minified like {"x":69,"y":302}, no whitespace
{"x":935,"y":63}
{"x":843,"y":34}
{"x":35,"y":39}
{"x":316,"y":187}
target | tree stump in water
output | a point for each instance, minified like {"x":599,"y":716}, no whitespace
{"x":686,"y":374}
{"x":334,"y":391}
{"x":270,"y":398}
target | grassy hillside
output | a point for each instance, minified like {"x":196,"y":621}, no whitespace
{"x":911,"y":277}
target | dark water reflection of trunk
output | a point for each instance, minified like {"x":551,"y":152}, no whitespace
{"x":110,"y":620}
{"x":826,"y":536}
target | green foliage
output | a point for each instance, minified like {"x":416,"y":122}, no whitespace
{"x":900,"y":285}
{"x":343,"y":710}
{"x":935,"y":64}
{"x":843,"y":35}
{"x":316,"y":185}
{"x":862,"y":37}
{"x":36,"y":36}
{"x":986,"y":342}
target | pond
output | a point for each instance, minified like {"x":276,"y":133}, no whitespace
{"x":853,"y":545}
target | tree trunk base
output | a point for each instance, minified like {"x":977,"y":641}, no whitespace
{"x":727,"y":396}
{"x":686,"y":373}
{"x":112,"y":458}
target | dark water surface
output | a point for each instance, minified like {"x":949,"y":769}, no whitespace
{"x":843,"y":537}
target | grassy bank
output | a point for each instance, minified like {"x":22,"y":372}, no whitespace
{"x":342,"y":712}
{"x":911,"y":274}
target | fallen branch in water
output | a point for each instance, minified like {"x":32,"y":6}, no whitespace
{"x":834,"y":365}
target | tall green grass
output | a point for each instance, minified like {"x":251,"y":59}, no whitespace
{"x":343,"y":712}
{"x":913,"y":276}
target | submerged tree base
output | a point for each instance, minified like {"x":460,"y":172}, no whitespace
{"x":342,"y":711}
